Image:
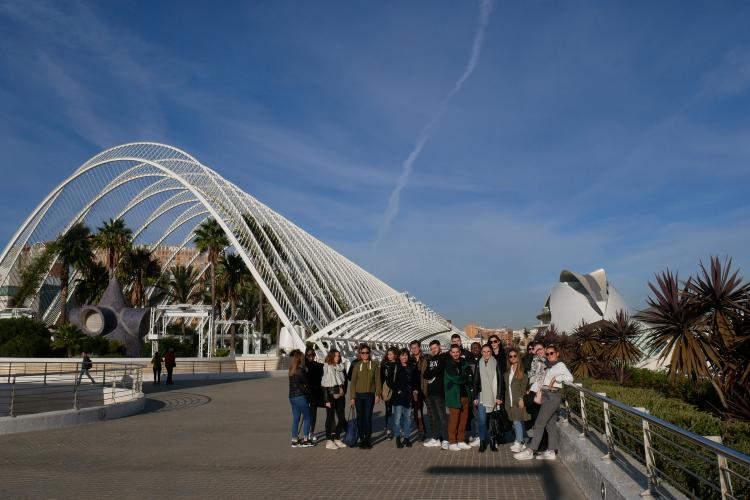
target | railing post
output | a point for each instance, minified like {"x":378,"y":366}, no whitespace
{"x":104,"y":375}
{"x":220,"y":363}
{"x":193,"y":364}
{"x":725,"y":479}
{"x":607,"y":430}
{"x":584,"y":419}
{"x":13,"y":398}
{"x":649,"y":456}
{"x":10,"y":368}
{"x":75,"y":394}
{"x":45,"y":373}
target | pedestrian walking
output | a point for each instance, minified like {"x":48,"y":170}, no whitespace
{"x":170,"y":361}
{"x":334,"y":378}
{"x":156,"y":365}
{"x":86,"y":365}
{"x":364,"y":392}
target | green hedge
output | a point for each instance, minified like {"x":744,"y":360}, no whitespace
{"x":676,"y":411}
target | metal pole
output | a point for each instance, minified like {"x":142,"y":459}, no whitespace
{"x":13,"y":398}
{"x":584,"y":419}
{"x":75,"y":390}
{"x":649,"y":456}
{"x":104,"y":375}
{"x":608,"y":430}
{"x":725,"y":479}
{"x":45,"y":373}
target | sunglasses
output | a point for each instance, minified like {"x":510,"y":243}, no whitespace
{"x":494,"y":341}
{"x":550,"y":353}
{"x":512,"y":356}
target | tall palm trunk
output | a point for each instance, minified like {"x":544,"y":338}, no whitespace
{"x":233,"y":327}
{"x":260,"y":309}
{"x":64,"y":277}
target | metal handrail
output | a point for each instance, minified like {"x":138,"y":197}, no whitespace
{"x":722,"y":453}
{"x":717,"y":448}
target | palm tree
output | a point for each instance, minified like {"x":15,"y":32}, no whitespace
{"x":183,"y":285}
{"x":73,"y":250}
{"x":233,"y":276}
{"x":68,"y":337}
{"x":676,"y":328}
{"x":619,"y":336}
{"x":210,"y":237}
{"x":114,"y":237}
{"x":588,"y":350}
{"x":33,"y":274}
{"x":143,"y":269}
{"x":90,"y":288}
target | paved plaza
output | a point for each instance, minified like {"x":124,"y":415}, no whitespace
{"x":231,"y":440}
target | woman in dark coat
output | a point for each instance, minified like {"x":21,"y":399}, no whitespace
{"x":514,"y":404}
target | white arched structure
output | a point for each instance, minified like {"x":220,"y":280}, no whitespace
{"x":163,"y":194}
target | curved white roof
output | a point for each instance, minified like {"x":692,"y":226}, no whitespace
{"x":163,"y":194}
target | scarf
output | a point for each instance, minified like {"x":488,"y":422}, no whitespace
{"x":488,"y":376}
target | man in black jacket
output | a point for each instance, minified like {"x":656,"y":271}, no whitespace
{"x":436,"y":397}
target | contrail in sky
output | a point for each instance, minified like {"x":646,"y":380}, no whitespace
{"x":485,"y":8}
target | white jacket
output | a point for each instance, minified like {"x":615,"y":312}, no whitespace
{"x":559,"y":372}
{"x":333,"y":375}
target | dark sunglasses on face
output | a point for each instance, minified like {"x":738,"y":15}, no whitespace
{"x":512,"y":356}
{"x":550,"y":353}
{"x":494,"y":341}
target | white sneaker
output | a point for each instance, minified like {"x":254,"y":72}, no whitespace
{"x":339,"y":443}
{"x":454,"y":447}
{"x":517,"y":447}
{"x":474,"y":442}
{"x":330,"y":445}
{"x":547,"y":455}
{"x":444,"y":445}
{"x":431,"y":443}
{"x":464,"y":446}
{"x":526,"y":454}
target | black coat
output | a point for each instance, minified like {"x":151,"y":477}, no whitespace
{"x":403,"y":381}
{"x":314,"y":379}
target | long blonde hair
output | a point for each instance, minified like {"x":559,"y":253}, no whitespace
{"x":298,"y":360}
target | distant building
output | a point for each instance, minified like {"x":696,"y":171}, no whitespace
{"x":580,"y":297}
{"x":481,"y":333}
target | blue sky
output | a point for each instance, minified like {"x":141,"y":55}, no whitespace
{"x":588,"y":135}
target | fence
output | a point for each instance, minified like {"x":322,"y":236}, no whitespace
{"x":698,"y":466}
{"x":27,"y":388}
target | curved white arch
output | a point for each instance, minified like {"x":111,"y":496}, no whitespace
{"x":157,"y":189}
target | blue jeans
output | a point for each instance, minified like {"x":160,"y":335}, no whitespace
{"x":300,"y":407}
{"x":482,"y":422}
{"x":401,"y":416}
{"x":364,"y":402}
{"x":519,"y":430}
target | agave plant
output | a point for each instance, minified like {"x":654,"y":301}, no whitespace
{"x":619,"y":336}
{"x":677,"y":329}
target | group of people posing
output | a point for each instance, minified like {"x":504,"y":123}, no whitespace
{"x":475,"y":386}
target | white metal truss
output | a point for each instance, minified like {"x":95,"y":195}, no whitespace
{"x":163,"y":192}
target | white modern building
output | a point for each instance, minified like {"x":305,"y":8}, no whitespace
{"x":581,"y":297}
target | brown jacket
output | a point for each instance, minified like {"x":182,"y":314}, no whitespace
{"x":422,"y":365}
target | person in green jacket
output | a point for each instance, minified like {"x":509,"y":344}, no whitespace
{"x":457,"y":382}
{"x":364,"y":391}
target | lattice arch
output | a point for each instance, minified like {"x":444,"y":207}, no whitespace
{"x":163,"y":194}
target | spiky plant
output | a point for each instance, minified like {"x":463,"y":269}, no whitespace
{"x":588,"y":349}
{"x":619,"y":336}
{"x":115,"y":238}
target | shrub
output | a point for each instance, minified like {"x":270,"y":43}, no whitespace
{"x":24,"y":337}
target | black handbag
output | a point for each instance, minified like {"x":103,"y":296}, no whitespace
{"x":500,"y":425}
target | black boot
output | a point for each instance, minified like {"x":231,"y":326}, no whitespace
{"x":407,"y":443}
{"x":399,"y":443}
{"x":493,"y":445}
{"x":482,"y":446}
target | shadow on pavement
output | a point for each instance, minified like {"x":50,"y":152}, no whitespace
{"x":540,"y":471}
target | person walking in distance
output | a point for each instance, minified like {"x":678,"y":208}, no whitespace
{"x":515,"y":406}
{"x":488,"y":393}
{"x":333,"y":380}
{"x":364,"y":392}
{"x":170,"y":361}
{"x":404,"y":381}
{"x":156,"y":365}
{"x":457,"y":382}
{"x":434,"y":376}
{"x":315,"y":394}
{"x":298,"y":390}
{"x":387,"y":369}
{"x":420,"y":362}
{"x":556,"y":374}
{"x":86,"y":365}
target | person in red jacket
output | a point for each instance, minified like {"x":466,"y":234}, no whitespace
{"x":169,"y":364}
